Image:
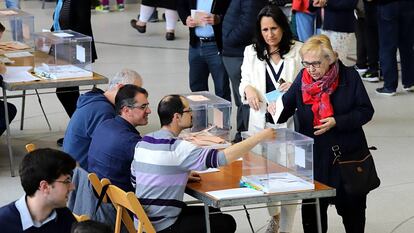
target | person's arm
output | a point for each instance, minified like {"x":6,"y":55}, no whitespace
{"x":183,"y":10}
{"x":362,"y":111}
{"x":237,"y":150}
{"x":246,"y":89}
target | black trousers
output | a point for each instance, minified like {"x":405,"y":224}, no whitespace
{"x":366,"y":32}
{"x":350,"y":208}
{"x":192,"y":219}
{"x":68,"y":96}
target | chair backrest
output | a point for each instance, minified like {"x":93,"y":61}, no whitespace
{"x":81,"y":218}
{"x":128,"y":201}
{"x":30,"y":147}
{"x":98,"y":184}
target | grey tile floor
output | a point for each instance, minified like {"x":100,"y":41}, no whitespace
{"x":163,"y":65}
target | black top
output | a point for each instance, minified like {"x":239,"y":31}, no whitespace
{"x":352,"y":109}
{"x":10,"y":221}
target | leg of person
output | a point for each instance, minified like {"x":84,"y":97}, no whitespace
{"x":217,"y":70}
{"x":406,"y":44}
{"x":352,"y":210}
{"x":12,"y":113}
{"x":199,"y":72}
{"x":371,"y":41}
{"x":12,"y":4}
{"x":192,"y":219}
{"x":144,"y":14}
{"x":305,"y":25}
{"x":171,"y":17}
{"x":287,"y":215}
{"x":274,"y":213}
{"x":361,"y":62}
{"x":309,"y":215}
{"x":68,"y":96}
{"x":388,"y":39}
{"x":232,"y":66}
{"x":120,"y":4}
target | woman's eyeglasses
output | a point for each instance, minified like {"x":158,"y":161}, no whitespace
{"x":315,"y":64}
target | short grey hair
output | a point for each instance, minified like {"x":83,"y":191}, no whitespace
{"x":125,"y":76}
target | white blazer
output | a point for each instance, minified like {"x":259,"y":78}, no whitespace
{"x":253,"y":72}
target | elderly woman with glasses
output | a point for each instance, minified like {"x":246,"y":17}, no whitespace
{"x":271,"y":63}
{"x":331,"y":105}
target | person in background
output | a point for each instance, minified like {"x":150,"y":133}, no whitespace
{"x":273,"y":57}
{"x":92,"y":108}
{"x":104,"y":6}
{"x":238,"y":32}
{"x":10,"y":107}
{"x":45,"y":175}
{"x":147,"y":9}
{"x":113,"y":141}
{"x":331,"y":105}
{"x":395,"y":30}
{"x":76,"y":16}
{"x":304,"y":19}
{"x":163,"y":163}
{"x":204,"y":55}
{"x":90,"y":226}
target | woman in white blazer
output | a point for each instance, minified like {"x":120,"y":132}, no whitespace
{"x":273,"y":57}
{"x":253,"y":83}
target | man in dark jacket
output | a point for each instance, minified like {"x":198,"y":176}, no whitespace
{"x":45,"y":176}
{"x":205,"y":44}
{"x":238,"y":31}
{"x":92,"y":108}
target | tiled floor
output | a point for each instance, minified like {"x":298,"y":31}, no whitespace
{"x":164,"y":68}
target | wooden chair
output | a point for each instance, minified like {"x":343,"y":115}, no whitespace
{"x":98,"y":186}
{"x":124,"y":201}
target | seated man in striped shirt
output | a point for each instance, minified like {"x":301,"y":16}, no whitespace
{"x":162,"y":164}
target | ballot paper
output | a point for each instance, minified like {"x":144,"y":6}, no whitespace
{"x":235,"y":193}
{"x":197,"y":16}
{"x":16,"y":74}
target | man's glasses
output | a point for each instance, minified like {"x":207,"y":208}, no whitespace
{"x":188,"y":110}
{"x":142,"y":106}
{"x":68,"y":181}
{"x":315,"y":64}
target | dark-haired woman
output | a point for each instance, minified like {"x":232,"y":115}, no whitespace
{"x":272,"y":58}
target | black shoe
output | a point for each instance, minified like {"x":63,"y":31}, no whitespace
{"x":59,"y":142}
{"x":237,"y":138}
{"x":371,"y":75}
{"x":170,"y":36}
{"x":140,"y":29}
{"x":385,"y":91}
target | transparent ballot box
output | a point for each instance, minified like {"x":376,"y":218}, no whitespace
{"x":281,"y":165}
{"x":62,"y":54}
{"x":211,"y":117}
{"x":18,"y":33}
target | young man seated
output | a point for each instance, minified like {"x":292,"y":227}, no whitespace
{"x":45,"y":175}
{"x":162,"y":165}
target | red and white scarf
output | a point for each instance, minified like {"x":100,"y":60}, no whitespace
{"x":317,"y":92}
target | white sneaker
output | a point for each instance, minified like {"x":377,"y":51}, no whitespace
{"x":410,"y":88}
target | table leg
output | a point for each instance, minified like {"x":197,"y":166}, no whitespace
{"x":23,"y":106}
{"x":207,"y":216}
{"x":318,"y":215}
{"x":6,"y":113}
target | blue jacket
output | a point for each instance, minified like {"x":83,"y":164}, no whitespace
{"x":239,"y":25}
{"x":10,"y":221}
{"x":92,"y":108}
{"x":112,"y":151}
{"x":352,"y":109}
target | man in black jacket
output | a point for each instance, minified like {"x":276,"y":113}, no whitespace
{"x":238,"y":31}
{"x":205,"y":44}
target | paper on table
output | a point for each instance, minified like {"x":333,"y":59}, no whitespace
{"x":209,"y":170}
{"x":80,"y":53}
{"x":235,"y":193}
{"x":62,"y":34}
{"x":197,"y":98}
{"x":16,"y":74}
{"x":197,"y":16}
{"x":18,"y":54}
